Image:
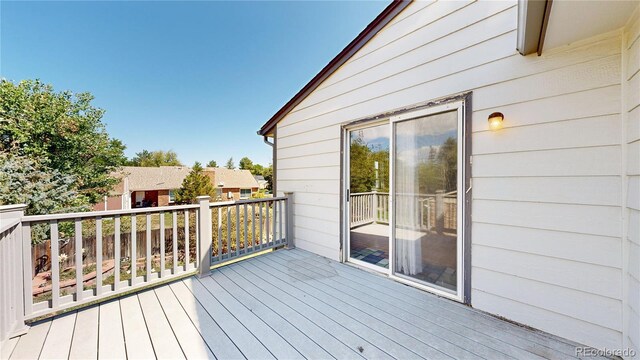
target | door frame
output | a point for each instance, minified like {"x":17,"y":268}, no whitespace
{"x":464,"y":101}
{"x":346,"y":214}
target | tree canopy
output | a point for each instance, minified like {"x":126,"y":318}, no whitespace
{"x":155,"y":158}
{"x":195,"y":184}
{"x":212,"y":163}
{"x":61,"y":136}
{"x":362,"y":163}
{"x":230,"y":164}
{"x":246,"y":163}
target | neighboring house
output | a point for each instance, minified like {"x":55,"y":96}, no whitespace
{"x":538,"y":222}
{"x":262,"y":183}
{"x":232,"y":184}
{"x":145,"y":187}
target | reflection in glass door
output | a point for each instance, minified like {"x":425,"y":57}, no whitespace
{"x":426,"y":198}
{"x":368,"y":199}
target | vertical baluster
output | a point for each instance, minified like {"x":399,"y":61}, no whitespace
{"x":163,"y":250}
{"x":273,"y":204}
{"x":237,"y":229}
{"x":55,"y":266}
{"x":148,"y":247}
{"x":219,"y":233}
{"x":197,"y":233}
{"x":260,"y":224}
{"x":186,"y":240}
{"x":246,"y":233}
{"x":253,"y":226}
{"x":134,"y":248}
{"x":116,"y":253}
{"x":175,"y":242}
{"x":27,"y":268}
{"x":79,"y":282}
{"x":228,"y":209}
{"x":280,"y":220}
{"x":99,"y":256}
{"x":267,"y":223}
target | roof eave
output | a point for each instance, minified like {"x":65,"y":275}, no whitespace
{"x":369,"y":32}
{"x":533,"y":17}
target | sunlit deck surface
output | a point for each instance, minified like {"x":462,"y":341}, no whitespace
{"x":286,"y":304}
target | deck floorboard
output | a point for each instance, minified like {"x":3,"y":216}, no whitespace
{"x":288,"y":304}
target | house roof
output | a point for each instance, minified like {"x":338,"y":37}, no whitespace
{"x":154,"y":178}
{"x":235,"y":178}
{"x":369,"y":32}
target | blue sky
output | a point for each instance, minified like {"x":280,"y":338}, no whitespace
{"x":198,"y":78}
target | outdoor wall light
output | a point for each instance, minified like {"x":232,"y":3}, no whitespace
{"x":495,"y":121}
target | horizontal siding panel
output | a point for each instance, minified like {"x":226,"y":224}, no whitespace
{"x":589,"y":278}
{"x":324,"y":200}
{"x":633,"y":125}
{"x":328,"y":252}
{"x":588,"y":75}
{"x":409,"y":11}
{"x":633,"y":60}
{"x":310,"y":161}
{"x":327,"y":227}
{"x":312,"y":147}
{"x":600,"y":73}
{"x":596,"y":310}
{"x":312,"y":186}
{"x":634,"y":260}
{"x":604,"y":190}
{"x":633,"y":193}
{"x":593,"y":249}
{"x":561,"y":325}
{"x":588,"y":103}
{"x":325,"y":173}
{"x":633,"y":158}
{"x":582,"y":219}
{"x":456,"y":52}
{"x":634,"y":294}
{"x":400,"y":39}
{"x":565,"y":162}
{"x":632,"y":31}
{"x":634,"y":225}
{"x":598,"y":131}
{"x":327,"y":244}
{"x":331,"y":132}
{"x":632,"y":91}
{"x":317,"y":212}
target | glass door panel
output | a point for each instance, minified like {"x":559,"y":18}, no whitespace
{"x":426,"y":181}
{"x":368,"y":200}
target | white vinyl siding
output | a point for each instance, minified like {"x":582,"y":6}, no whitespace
{"x":547,"y":188}
{"x":631,"y":132}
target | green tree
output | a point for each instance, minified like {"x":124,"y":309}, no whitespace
{"x":195,"y":184}
{"x":267,"y":173}
{"x":155,"y":158}
{"x":230,"y":164}
{"x":212,"y":163}
{"x":61,"y":132}
{"x":246,"y":164}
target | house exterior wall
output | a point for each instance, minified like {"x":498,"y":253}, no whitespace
{"x":163,"y":197}
{"x":631,"y":140}
{"x":112,"y":203}
{"x":547,"y":189}
{"x":235,"y":192}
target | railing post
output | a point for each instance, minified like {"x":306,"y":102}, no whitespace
{"x":289,"y":221}
{"x":13,"y":279}
{"x":439,"y":211}
{"x":205,"y":236}
{"x":375,"y":206}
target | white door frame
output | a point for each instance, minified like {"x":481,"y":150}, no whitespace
{"x":432,"y":110}
{"x":345,"y":201}
{"x":461,"y":104}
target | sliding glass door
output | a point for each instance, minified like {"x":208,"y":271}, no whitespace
{"x":427,"y":196}
{"x":368,"y":196}
{"x":404,"y":186}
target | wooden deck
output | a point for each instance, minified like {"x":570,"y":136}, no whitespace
{"x":287,"y":304}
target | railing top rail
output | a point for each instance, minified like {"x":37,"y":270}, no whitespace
{"x":108,"y":213}
{"x":12,"y":207}
{"x":8,"y":225}
{"x":249,"y":201}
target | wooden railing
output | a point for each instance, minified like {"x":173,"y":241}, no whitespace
{"x":422,"y":211}
{"x":11,"y":304}
{"x":45,"y":264}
